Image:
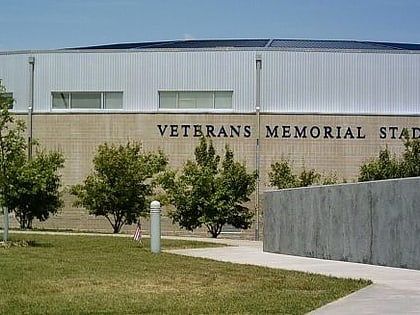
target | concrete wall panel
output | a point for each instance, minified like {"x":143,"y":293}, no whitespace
{"x":376,"y":222}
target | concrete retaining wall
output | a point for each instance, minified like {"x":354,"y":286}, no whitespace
{"x":374,"y":222}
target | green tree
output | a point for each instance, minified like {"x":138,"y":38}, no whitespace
{"x":411,"y":158}
{"x":121,"y":184}
{"x":36,"y":187}
{"x":282,"y":176}
{"x":209,"y":193}
{"x":12,"y":143}
{"x":30,"y":188}
{"x":309,"y":177}
{"x":12,"y":149}
{"x":387,"y":165}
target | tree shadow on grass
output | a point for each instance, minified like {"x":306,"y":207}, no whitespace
{"x":24,"y":243}
{"x":33,"y":243}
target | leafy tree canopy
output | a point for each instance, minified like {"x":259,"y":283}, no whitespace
{"x":283,"y":176}
{"x":36,"y":187}
{"x":209,"y":191}
{"x":388,"y":165}
{"x":12,"y":144}
{"x":121,"y":184}
{"x":30,"y":188}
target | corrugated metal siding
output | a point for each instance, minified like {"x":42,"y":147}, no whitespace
{"x":323,"y":82}
{"x":14,"y":73}
{"x":292,"y":81}
{"x":141,"y":75}
{"x":190,"y":71}
{"x":75,"y":72}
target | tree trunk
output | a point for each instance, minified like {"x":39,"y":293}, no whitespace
{"x":215,"y":230}
{"x":22,"y":222}
{"x":116,"y":229}
{"x":25,"y":222}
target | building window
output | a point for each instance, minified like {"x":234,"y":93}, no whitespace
{"x":113,"y":100}
{"x":87,"y":100}
{"x":195,"y":99}
{"x":8,"y":97}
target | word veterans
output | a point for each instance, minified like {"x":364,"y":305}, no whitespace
{"x":231,"y":131}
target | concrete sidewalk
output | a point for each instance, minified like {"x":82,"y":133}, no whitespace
{"x":394,"y":290}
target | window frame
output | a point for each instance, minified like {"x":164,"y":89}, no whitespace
{"x":102,"y":100}
{"x":177,"y":100}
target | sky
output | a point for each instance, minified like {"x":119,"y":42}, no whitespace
{"x":54,"y":24}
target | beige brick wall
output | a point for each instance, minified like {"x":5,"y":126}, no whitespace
{"x":342,"y":156}
{"x":78,"y":136}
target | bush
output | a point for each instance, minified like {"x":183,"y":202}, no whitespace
{"x":283,"y":177}
{"x":388,"y":165}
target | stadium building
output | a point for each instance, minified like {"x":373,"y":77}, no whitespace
{"x":328,"y":105}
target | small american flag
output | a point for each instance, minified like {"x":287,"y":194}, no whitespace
{"x":137,"y":233}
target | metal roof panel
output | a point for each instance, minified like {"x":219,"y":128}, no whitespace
{"x":258,"y":43}
{"x":179,"y":44}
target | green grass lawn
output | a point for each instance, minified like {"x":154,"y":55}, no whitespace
{"x":108,"y":275}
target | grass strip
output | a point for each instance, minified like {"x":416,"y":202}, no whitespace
{"x":73,"y":274}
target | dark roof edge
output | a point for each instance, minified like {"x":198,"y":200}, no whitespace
{"x":255,"y":43}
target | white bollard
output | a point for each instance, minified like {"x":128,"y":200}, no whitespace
{"x":155,"y":227}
